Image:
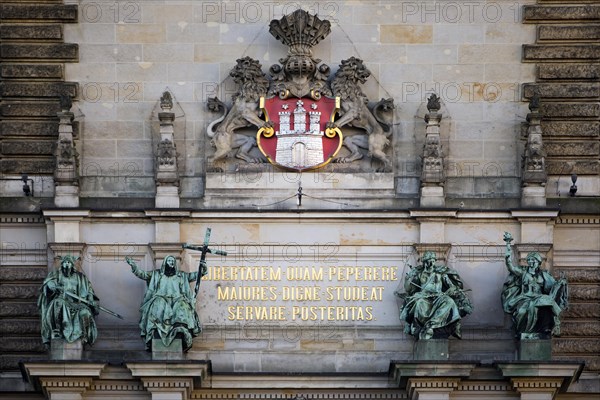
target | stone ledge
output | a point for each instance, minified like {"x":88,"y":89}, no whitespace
{"x":20,"y":147}
{"x":68,"y":52}
{"x":46,"y":12}
{"x":577,"y":166}
{"x":570,"y":148}
{"x":38,"y":89}
{"x":40,"y":32}
{"x":30,"y":109}
{"x":39,"y":165}
{"x":569,"y":71}
{"x":569,"y":32}
{"x":571,"y":129}
{"x":536,"y":52}
{"x":570,"y":109}
{"x":546,"y":14}
{"x":41,"y":71}
{"x":19,"y":309}
{"x":19,"y":327}
{"x":562,"y":90}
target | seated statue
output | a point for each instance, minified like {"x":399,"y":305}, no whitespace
{"x":533,"y":297}
{"x":67,"y":305}
{"x":434,"y":300}
{"x":168,"y":310}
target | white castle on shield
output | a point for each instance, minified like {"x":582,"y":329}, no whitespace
{"x":299,"y":146}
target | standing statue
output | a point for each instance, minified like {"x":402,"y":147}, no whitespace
{"x":168,"y":309}
{"x":67,"y":305}
{"x":533,"y":297}
{"x":434,"y":300}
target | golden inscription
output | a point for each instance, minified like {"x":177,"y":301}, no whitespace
{"x":332,"y":285}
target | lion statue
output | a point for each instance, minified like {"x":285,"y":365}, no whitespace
{"x":243,"y":113}
{"x":355,"y":112}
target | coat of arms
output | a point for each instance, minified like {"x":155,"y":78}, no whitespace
{"x":298,"y":110}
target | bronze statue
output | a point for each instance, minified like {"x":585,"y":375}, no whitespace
{"x":533,"y":297}
{"x":434,"y":301}
{"x":168,"y":309}
{"x":67,"y":305}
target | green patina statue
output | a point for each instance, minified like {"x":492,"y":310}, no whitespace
{"x":434,"y":300}
{"x":168,"y":309}
{"x":533,"y":297}
{"x":67,"y":305}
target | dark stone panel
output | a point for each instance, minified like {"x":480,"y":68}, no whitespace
{"x":42,"y":147}
{"x":45,"y":31}
{"x":584,"y":293}
{"x":48,"y":12}
{"x":23,"y":274}
{"x":579,"y":275}
{"x":570,"y":345}
{"x":535,"y":52}
{"x":583,"y":310}
{"x":19,"y":291}
{"x":42,"y":165}
{"x":19,"y":326}
{"x":572,"y":129}
{"x":569,"y":71}
{"x":580,"y":328}
{"x":22,"y":309}
{"x":578,"y":148}
{"x":29,"y":128}
{"x":538,"y":13}
{"x":32,"y":109}
{"x":54,"y":51}
{"x":21,"y":345}
{"x":579,"y":167}
{"x":570,"y":109}
{"x":569,"y":32}
{"x":573,"y":90}
{"x":10,"y":362}
{"x":592,"y":363}
{"x":37,"y":89}
{"x":46,"y":71}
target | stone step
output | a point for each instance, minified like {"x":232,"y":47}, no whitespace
{"x":537,"y":52}
{"x":569,"y":71}
{"x":571,"y":90}
{"x":28,"y":128}
{"x":39,"y":12}
{"x":31,"y":71}
{"x":38,"y":165}
{"x":29,"y":109}
{"x":569,"y":32}
{"x":575,"y":165}
{"x":572,"y":148}
{"x":571,"y":128}
{"x":568,"y":110}
{"x":37,"y":89}
{"x":21,"y":147}
{"x":550,"y":13}
{"x":68,"y":52}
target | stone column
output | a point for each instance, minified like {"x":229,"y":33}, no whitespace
{"x":432,"y":174}
{"x":534,"y":160}
{"x":167,"y":176}
{"x":66,"y":175}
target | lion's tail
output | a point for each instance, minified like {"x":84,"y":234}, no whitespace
{"x":214,"y":104}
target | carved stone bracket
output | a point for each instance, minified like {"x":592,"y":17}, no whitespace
{"x":171,"y":380}
{"x":540,"y":381}
{"x":62,"y":380}
{"x":430,"y":380}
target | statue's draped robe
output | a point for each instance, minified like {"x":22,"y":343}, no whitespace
{"x":523,"y":295}
{"x":63,"y":316}
{"x":168,"y":307}
{"x":434,"y":300}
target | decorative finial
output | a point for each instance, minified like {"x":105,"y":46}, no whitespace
{"x":65,"y":102}
{"x":300,"y":31}
{"x":534,"y":103}
{"x":433,"y":103}
{"x":166,"y":101}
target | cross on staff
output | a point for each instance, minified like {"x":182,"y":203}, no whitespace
{"x":204,"y":249}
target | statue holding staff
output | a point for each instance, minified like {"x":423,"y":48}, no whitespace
{"x":68,"y":305}
{"x":533,"y":297}
{"x":168,"y":308}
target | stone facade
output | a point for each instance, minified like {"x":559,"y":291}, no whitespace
{"x":305,"y":246}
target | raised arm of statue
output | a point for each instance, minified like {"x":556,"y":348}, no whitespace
{"x":136,"y":270}
{"x":508,"y":256}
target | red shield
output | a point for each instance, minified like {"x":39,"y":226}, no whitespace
{"x":299,"y":139}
